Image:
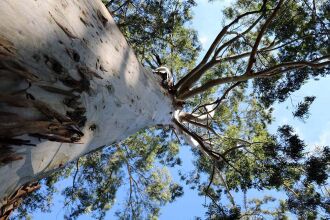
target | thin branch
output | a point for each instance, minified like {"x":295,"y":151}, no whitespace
{"x":233,"y":148}
{"x":223,"y":97}
{"x":75,"y":175}
{"x":239,"y":146}
{"x":176,"y":135}
{"x":291,"y":190}
{"x":231,"y":198}
{"x":215,"y":202}
{"x":130,"y":186}
{"x":109,"y":3}
{"x":238,"y":36}
{"x":326,"y":189}
{"x":120,"y":7}
{"x":211,"y":179}
{"x":208,"y":151}
{"x":202,"y":126}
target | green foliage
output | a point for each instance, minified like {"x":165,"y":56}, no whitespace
{"x":42,"y":199}
{"x":303,"y":108}
{"x":316,"y":167}
{"x":158,"y":31}
{"x":304,"y":36}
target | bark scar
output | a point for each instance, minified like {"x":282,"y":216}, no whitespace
{"x":64,"y":29}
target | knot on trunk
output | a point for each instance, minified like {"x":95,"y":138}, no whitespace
{"x":166,"y":77}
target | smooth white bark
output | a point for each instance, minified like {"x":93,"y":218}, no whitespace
{"x":125,"y":100}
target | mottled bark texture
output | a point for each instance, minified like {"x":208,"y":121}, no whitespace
{"x":69,"y":84}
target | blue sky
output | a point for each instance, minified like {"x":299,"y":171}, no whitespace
{"x":316,"y":131}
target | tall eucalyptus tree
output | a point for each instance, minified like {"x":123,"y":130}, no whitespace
{"x":71,"y":85}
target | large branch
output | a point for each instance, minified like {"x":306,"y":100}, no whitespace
{"x":271,"y":47}
{"x":275,"y":70}
{"x":191,"y":77}
{"x":198,"y":72}
{"x":259,"y":37}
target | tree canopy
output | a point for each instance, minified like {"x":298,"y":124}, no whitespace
{"x":267,"y":50}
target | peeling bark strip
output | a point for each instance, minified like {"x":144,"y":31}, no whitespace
{"x":60,"y":127}
{"x":50,"y":125}
{"x":13,"y":201}
{"x":69,"y":84}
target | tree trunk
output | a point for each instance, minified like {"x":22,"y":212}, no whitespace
{"x":69,"y":84}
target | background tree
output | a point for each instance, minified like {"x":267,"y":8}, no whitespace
{"x":225,"y":117}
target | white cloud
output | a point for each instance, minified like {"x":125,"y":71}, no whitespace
{"x":201,"y":2}
{"x":222,"y":2}
{"x":298,"y":131}
{"x":322,"y":140}
{"x":204,"y":41}
{"x":283,"y":120}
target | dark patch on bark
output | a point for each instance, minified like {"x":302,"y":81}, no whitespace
{"x":57,"y":138}
{"x":36,"y":57}
{"x":9,"y":156}
{"x":29,"y":96}
{"x":78,"y":116}
{"x":84,"y":13}
{"x":102,"y":69}
{"x":86,"y":71}
{"x":92,"y":127}
{"x":85,"y":41}
{"x":72,"y":83}
{"x":102,"y":18}
{"x":72,"y":102}
{"x":83,"y":21}
{"x":17,"y":142}
{"x":110,"y":88}
{"x":53,"y":64}
{"x":7,"y":48}
{"x":73,"y":54}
